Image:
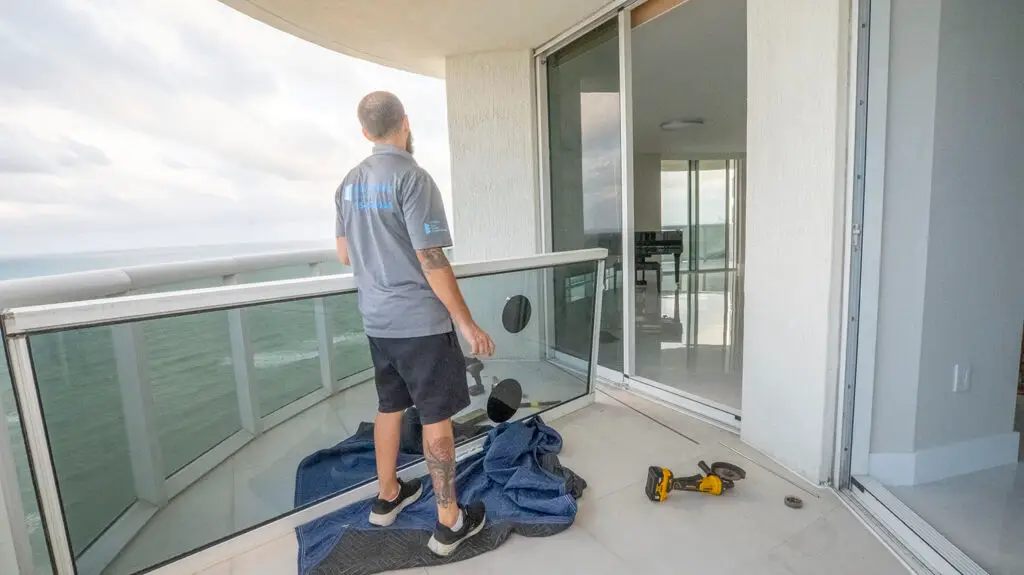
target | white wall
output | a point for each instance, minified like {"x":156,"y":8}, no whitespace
{"x":952,"y":284}
{"x":647,"y":192}
{"x":913,"y":68}
{"x":796,"y":134}
{"x":974,"y":303}
{"x":491,"y":119}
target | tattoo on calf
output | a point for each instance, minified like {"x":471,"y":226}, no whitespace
{"x":433,"y":259}
{"x":440,"y":456}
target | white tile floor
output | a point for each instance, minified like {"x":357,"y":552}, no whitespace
{"x":710,"y":368}
{"x":258,"y":482}
{"x":982,"y":513}
{"x":619,"y":531}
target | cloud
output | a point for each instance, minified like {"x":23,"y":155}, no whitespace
{"x":21,"y":152}
{"x":125,"y":123}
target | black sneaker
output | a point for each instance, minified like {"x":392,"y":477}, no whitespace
{"x":444,"y":541}
{"x":384,"y":513}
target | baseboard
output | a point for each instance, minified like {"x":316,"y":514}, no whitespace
{"x":936,"y":464}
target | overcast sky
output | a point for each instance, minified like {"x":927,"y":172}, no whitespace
{"x":143,"y":123}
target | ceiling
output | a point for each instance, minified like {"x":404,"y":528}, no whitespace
{"x":692,"y":63}
{"x":417,"y":35}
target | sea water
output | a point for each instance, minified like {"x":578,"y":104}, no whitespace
{"x":191,"y":374}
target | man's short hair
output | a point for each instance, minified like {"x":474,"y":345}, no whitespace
{"x":381,"y":114}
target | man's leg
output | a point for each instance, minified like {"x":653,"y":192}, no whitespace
{"x":435,"y":371}
{"x":393,"y":399}
{"x":387,"y":432}
{"x":439,"y":451}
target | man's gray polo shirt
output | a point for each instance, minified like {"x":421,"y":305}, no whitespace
{"x":388,"y":207}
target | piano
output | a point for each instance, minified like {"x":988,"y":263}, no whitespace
{"x":650,"y":244}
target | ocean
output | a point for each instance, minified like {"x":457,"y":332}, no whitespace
{"x":192,"y":379}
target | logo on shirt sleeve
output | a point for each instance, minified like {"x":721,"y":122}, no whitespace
{"x":435,"y":227}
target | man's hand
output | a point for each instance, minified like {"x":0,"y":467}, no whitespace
{"x":479,"y":342}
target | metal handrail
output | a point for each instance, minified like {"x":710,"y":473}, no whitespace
{"x":81,"y":314}
{"x":92,"y":284}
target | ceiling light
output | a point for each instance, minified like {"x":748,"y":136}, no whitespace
{"x":674,"y":125}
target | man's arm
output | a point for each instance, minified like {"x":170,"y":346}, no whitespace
{"x":442,"y":280}
{"x":339,"y":227}
{"x":342,"y":247}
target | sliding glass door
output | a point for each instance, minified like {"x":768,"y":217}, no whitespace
{"x":585,"y":186}
{"x":644,"y":140}
{"x":688,"y":279}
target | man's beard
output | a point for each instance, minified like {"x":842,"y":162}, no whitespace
{"x":408,"y":145}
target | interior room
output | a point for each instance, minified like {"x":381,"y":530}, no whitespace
{"x":689,"y":134}
{"x":948,"y":357}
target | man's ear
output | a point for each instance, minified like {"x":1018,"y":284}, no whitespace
{"x":367,"y":135}
{"x":405,"y":124}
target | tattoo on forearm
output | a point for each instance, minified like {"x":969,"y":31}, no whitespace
{"x":433,"y":259}
{"x":440,"y":456}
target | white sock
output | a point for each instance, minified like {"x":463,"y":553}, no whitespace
{"x":458,"y":523}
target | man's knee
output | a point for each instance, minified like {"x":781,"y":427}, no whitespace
{"x":441,"y":428}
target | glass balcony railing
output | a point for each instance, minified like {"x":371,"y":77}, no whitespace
{"x":160,"y":423}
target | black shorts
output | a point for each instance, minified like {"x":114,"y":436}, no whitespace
{"x":428,"y":372}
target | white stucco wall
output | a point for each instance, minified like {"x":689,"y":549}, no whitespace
{"x":796,"y":149}
{"x":491,"y":119}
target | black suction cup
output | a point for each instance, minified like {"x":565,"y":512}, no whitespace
{"x":516,"y":315}
{"x":504,"y":400}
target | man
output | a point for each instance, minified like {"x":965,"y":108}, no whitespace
{"x":391,"y":228}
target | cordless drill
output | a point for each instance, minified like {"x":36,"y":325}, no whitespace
{"x":713,"y":480}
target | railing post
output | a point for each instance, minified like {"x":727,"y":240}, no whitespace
{"x":595,"y":341}
{"x":15,"y":548}
{"x":324,"y":340}
{"x":242,"y":360}
{"x":139,"y":413}
{"x":30,"y":411}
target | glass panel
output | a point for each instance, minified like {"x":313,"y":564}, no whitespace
{"x":688,"y":139}
{"x":76,"y":372}
{"x":283,"y":339}
{"x":351,"y":348}
{"x":194,"y":390}
{"x":713,"y":213}
{"x":195,"y":384}
{"x":33,"y":520}
{"x":948,"y":285}
{"x":81,"y":395}
{"x":334,"y":268}
{"x":687,"y":321}
{"x":586,"y":183}
{"x":524,"y":356}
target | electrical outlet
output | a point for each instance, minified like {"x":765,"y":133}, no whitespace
{"x":961,"y":378}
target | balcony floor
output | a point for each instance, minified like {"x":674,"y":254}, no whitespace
{"x":611,"y":444}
